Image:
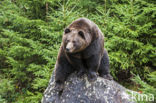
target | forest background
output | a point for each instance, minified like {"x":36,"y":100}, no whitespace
{"x":31,"y":32}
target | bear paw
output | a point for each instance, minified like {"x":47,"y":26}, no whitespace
{"x":59,"y":87}
{"x":108,"y":76}
{"x":81,"y":73}
{"x":92,"y":76}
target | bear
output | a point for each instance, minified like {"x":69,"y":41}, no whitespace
{"x":82,"y":50}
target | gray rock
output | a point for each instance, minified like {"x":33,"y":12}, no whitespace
{"x":79,"y":90}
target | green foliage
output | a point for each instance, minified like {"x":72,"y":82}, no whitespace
{"x":31,"y":32}
{"x":147,"y":88}
{"x":129,"y":31}
{"x":7,"y":88}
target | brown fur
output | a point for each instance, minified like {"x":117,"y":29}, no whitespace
{"x":82,"y":53}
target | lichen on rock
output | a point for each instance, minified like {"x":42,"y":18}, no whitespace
{"x":79,"y":90}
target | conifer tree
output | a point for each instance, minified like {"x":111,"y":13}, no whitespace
{"x":31,"y":32}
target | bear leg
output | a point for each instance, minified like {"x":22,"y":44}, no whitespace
{"x":93,"y":65}
{"x":104,"y":67}
{"x":62,"y":71}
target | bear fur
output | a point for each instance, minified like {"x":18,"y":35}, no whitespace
{"x":82,"y":50}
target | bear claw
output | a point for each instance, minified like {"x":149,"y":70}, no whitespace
{"x":80,"y":73}
{"x":108,"y":77}
{"x":92,"y":77}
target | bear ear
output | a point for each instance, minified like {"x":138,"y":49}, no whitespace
{"x":94,"y":32}
{"x":81,"y":34}
{"x":67,"y":30}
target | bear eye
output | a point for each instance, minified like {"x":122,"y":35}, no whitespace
{"x":67,"y":41}
{"x":67,"y":30}
{"x":81,"y":34}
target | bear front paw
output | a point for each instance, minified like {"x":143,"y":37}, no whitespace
{"x":81,"y":73}
{"x":108,"y":76}
{"x":59,"y":87}
{"x":92,"y":76}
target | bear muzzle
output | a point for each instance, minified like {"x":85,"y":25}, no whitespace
{"x":69,"y":47}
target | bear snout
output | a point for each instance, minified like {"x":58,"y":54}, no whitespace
{"x":69,"y":47}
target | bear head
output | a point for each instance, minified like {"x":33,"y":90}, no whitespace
{"x":78,"y":35}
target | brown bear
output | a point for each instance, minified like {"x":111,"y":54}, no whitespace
{"x":82,"y":50}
